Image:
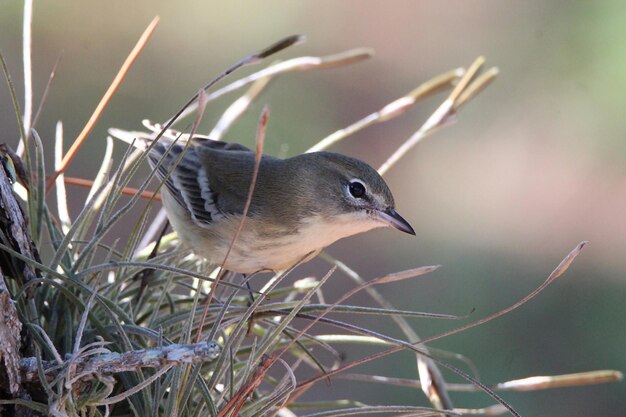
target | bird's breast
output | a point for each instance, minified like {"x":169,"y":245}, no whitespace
{"x":277,"y":248}
{"x":263,"y":245}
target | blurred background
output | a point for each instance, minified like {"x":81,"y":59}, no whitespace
{"x":533,"y":166}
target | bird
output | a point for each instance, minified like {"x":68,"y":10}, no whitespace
{"x":299,"y":205}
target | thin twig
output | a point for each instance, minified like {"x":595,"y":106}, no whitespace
{"x":533,"y":383}
{"x":393,"y":109}
{"x":46,"y":91}
{"x":237,"y":108}
{"x":416,"y":272}
{"x":151,"y":233}
{"x":104,"y":101}
{"x":445,"y":111}
{"x":82,"y":182}
{"x":253,"y":58}
{"x":558,"y":271}
{"x":296,"y":64}
{"x":433,"y":383}
{"x":63,"y":211}
{"x":28,"y":69}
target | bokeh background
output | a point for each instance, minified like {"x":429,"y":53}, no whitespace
{"x":534,"y":165}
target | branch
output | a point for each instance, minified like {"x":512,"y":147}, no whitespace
{"x":93,"y":367}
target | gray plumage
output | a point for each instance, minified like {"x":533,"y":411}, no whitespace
{"x":225,"y":167}
{"x":299,"y":205}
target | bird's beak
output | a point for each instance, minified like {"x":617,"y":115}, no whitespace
{"x":393,"y":219}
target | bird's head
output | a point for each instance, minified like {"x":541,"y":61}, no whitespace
{"x":348,"y":188}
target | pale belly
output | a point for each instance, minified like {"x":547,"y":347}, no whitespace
{"x":261,"y":246}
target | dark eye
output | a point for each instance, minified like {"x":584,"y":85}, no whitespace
{"x":357,"y":189}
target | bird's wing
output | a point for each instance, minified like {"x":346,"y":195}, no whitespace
{"x":209,"y":170}
{"x":190,"y":183}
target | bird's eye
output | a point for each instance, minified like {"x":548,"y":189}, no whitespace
{"x":357,"y":189}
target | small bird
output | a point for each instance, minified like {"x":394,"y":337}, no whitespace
{"x":299,"y":205}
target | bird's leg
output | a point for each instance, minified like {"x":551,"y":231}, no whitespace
{"x":146,"y":274}
{"x":250,"y":302}
{"x":250,"y":295}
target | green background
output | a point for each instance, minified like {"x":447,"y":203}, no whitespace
{"x":534,"y":165}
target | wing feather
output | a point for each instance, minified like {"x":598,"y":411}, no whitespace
{"x":189,"y":182}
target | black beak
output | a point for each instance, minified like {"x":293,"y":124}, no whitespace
{"x":393,"y":219}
